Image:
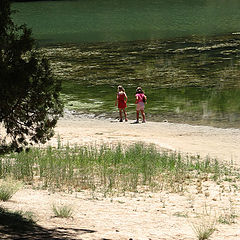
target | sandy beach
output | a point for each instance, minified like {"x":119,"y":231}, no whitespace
{"x":143,"y":215}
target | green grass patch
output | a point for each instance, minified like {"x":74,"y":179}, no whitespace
{"x":109,"y":168}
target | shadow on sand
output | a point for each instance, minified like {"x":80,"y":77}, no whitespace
{"x":14,"y":226}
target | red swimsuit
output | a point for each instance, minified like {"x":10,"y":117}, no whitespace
{"x":121,"y":100}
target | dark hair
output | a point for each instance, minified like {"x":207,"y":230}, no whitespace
{"x":120,"y":88}
{"x":139,"y":90}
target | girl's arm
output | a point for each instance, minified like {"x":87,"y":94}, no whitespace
{"x":136,"y":99}
{"x":126,"y":97}
{"x":145,"y":98}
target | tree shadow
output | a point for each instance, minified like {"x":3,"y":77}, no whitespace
{"x":14,"y":226}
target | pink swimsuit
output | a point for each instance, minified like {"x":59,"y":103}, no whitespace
{"x":140,"y":103}
{"x":139,"y":97}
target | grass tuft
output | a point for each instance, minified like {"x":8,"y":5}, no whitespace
{"x":206,"y":225}
{"x":64,"y":211}
{"x":204,"y":229}
{"x":8,"y":189}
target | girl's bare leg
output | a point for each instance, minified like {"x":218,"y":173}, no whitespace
{"x":143,"y":116}
{"x":125,"y":114}
{"x":137,"y":116}
{"x":120,"y":114}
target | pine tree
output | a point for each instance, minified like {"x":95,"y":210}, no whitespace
{"x":29,"y":94}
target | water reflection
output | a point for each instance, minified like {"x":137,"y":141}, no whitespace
{"x":203,"y":106}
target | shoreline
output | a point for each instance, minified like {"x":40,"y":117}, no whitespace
{"x":205,"y":141}
{"x":192,"y":140}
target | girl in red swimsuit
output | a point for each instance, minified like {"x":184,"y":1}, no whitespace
{"x":121,"y":101}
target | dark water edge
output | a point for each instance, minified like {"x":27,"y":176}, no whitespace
{"x":192,"y":80}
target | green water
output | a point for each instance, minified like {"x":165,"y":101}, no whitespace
{"x":183,"y":105}
{"x":183,"y":53}
{"x":128,"y":20}
{"x":187,"y":80}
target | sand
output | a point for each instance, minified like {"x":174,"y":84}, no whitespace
{"x":143,"y":215}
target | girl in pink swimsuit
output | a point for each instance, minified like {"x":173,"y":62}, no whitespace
{"x":121,"y":101}
{"x":141,"y":99}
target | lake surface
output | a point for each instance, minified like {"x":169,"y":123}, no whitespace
{"x":185,"y":54}
{"x":124,"y":20}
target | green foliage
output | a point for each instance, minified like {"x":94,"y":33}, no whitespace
{"x":29,"y":94}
